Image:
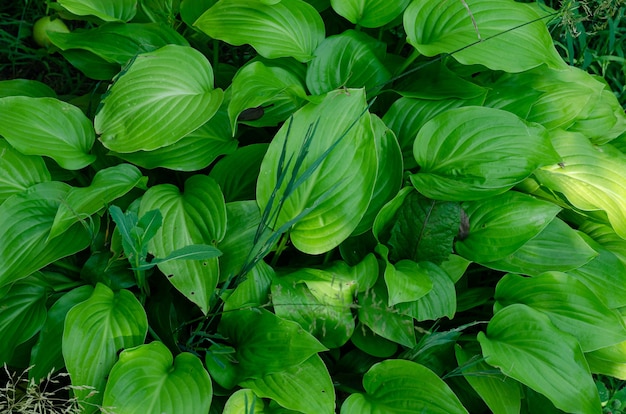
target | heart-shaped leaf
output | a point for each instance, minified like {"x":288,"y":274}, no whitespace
{"x":107,"y":10}
{"x":475,"y":32}
{"x":277,"y":29}
{"x":153,"y":104}
{"x":95,"y":330}
{"x":369,"y":13}
{"x":526,"y":346}
{"x":319,"y":172}
{"x":47,"y":126}
{"x":148,"y":379}
{"x":195,"y":216}
{"x":476,"y":152}
{"x":396,"y":386}
{"x":18,"y":171}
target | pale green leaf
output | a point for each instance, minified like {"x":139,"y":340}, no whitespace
{"x":47,"y":126}
{"x":107,"y":185}
{"x":526,"y":346}
{"x":604,"y":234}
{"x":244,"y":401}
{"x":571,"y":306}
{"x":500,"y":225}
{"x":402,"y":387}
{"x":22,"y":313}
{"x":148,"y":379}
{"x":152,"y":103}
{"x":195,"y":216}
{"x":95,"y":330}
{"x":609,"y":361}
{"x":25,"y":222}
{"x":107,"y":10}
{"x":18,"y":171}
{"x":590,"y":177}
{"x":557,"y":247}
{"x":321,"y":167}
{"x":305,"y":388}
{"x":369,"y":13}
{"x":47,"y":354}
{"x":286,"y":28}
{"x":349,"y":59}
{"x":499,"y":34}
{"x":476,"y":152}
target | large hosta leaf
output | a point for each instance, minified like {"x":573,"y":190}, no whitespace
{"x":306,"y":388}
{"x":609,"y":361}
{"x":47,"y":126}
{"x":147,"y":379}
{"x":369,"y":13}
{"x":319,"y":171}
{"x":591,"y":177}
{"x":399,"y":386}
{"x":571,"y":306}
{"x":475,"y":152}
{"x":502,"y":35}
{"x":95,"y":330}
{"x":526,"y":346}
{"x":19,"y":171}
{"x":107,"y":185}
{"x":258,"y":337}
{"x":350,"y":59}
{"x":25,"y":87}
{"x":558,"y":247}
{"x":25,"y":222}
{"x":22,"y":313}
{"x":47,"y":354}
{"x":195,"y":216}
{"x":153,"y":103}
{"x":499,"y":226}
{"x":107,"y":10}
{"x":280,"y":29}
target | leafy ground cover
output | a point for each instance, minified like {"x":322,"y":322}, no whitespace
{"x":316,"y":207}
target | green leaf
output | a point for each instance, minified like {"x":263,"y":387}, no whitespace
{"x":375,"y":313}
{"x":306,"y":388}
{"x":424,"y":229}
{"x":244,"y":401}
{"x":25,"y":87}
{"x":107,"y":185}
{"x":501,"y":394}
{"x":119,"y":42}
{"x":590,"y":177}
{"x":499,"y":226}
{"x":406,"y":280}
{"x":369,"y":13}
{"x":571,"y":306}
{"x":47,"y":354}
{"x":320,"y":301}
{"x":195,"y":216}
{"x":153,"y":104}
{"x":243,"y":219}
{"x":258,"y":336}
{"x":286,"y":28}
{"x":107,"y":10}
{"x":148,"y":379}
{"x":276,"y":89}
{"x":318,"y":174}
{"x":349,"y":59}
{"x":190,"y":10}
{"x":605,"y":275}
{"x":440,"y":301}
{"x":91,"y":65}
{"x":95,"y":330}
{"x":476,"y":152}
{"x":526,"y":346}
{"x":605,"y":121}
{"x":22,"y":313}
{"x":25,"y":222}
{"x":557,"y":247}
{"x":237,"y":173}
{"x":398,"y":386}
{"x":254,"y":290}
{"x":609,"y":361}
{"x":475,"y":32}
{"x":47,"y":126}
{"x":18,"y":171}
{"x":604,"y":234}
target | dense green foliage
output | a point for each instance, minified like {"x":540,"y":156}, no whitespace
{"x":280,"y":206}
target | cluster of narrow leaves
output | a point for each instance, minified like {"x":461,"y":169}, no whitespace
{"x":273,"y":207}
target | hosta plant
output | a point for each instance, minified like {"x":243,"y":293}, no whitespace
{"x":298,"y":206}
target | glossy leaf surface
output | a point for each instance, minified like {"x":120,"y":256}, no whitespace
{"x":369,"y":13}
{"x":115,"y":10}
{"x":19,"y":171}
